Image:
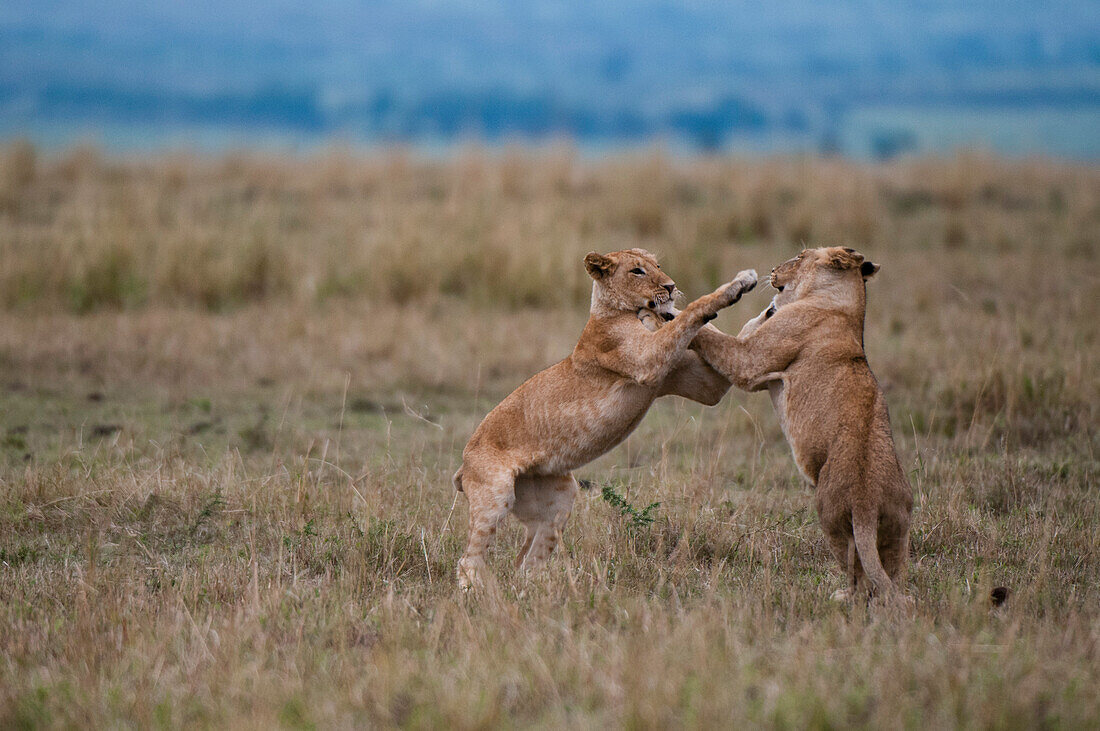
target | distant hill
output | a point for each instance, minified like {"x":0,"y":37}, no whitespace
{"x":866,"y":78}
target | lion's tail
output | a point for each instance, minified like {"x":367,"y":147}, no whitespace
{"x":457,"y":479}
{"x":865,"y":529}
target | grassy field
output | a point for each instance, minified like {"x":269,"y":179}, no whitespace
{"x":234,"y":390}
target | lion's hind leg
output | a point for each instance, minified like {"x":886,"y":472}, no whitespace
{"x":543,"y":505}
{"x":843,"y":546}
{"x":491,"y":493}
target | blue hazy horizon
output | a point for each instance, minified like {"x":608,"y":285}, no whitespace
{"x":869,"y":78}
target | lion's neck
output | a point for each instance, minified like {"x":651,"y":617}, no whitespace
{"x":606,"y":305}
{"x":603,"y":311}
{"x":846,"y":299}
{"x":852,"y":306}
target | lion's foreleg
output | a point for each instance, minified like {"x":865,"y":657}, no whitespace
{"x":693,"y":379}
{"x":748,"y":363}
{"x":750,"y":327}
{"x":656,"y":355}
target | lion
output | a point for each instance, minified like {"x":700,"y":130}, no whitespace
{"x":520,"y":458}
{"x":806,"y":349}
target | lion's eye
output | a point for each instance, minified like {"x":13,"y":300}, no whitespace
{"x":638,"y":270}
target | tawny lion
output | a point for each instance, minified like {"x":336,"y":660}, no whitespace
{"x":807,"y":350}
{"x":520,"y":457}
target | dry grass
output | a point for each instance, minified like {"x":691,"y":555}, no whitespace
{"x":243,"y":516}
{"x":80,"y":232}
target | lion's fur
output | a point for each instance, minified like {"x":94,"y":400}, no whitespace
{"x":520,"y":457}
{"x":807,"y":350}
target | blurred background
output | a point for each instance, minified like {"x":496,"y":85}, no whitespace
{"x":868,"y":79}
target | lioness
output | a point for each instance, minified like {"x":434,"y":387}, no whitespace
{"x":807,"y":350}
{"x":520,"y":457}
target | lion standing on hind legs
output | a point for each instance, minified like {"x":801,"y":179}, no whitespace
{"x":806,"y":349}
{"x":519,"y":459}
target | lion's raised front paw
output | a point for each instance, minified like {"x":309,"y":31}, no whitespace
{"x":650,"y":319}
{"x":743,"y":282}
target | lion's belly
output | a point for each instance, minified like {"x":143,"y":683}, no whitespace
{"x":578,"y":431}
{"x":803,"y":459}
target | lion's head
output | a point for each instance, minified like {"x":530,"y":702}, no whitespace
{"x":629,"y":280}
{"x":836,"y":269}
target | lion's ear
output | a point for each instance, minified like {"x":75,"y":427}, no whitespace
{"x":868,"y":269}
{"x":845,"y":259}
{"x":598,"y":265}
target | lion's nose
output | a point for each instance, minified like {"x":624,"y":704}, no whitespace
{"x":670,"y":287}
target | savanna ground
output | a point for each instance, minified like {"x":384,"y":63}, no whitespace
{"x":235,"y":389}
